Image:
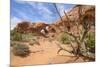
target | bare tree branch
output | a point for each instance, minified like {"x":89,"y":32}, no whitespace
{"x":61,"y":48}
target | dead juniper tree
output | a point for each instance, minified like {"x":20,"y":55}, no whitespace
{"x":86,"y":19}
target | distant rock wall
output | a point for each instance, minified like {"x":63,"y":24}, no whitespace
{"x":70,"y":19}
{"x":75,"y":17}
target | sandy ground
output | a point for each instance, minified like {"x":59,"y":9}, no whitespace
{"x":47,"y":55}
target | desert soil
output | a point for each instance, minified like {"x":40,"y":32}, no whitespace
{"x":47,"y":54}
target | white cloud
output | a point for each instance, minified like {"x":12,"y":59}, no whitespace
{"x":22,"y":14}
{"x":48,"y":17}
{"x":14,"y":21}
{"x":40,"y":6}
{"x":33,"y":4}
{"x":46,"y":13}
{"x":42,"y":10}
{"x":20,"y":1}
{"x":45,"y":10}
{"x":62,"y":8}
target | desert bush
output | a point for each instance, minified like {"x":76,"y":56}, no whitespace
{"x":12,"y":44}
{"x":28,"y":36}
{"x":12,"y":32}
{"x":64,"y":38}
{"x":16,"y":36}
{"x":31,"y":42}
{"x":21,"y":50}
{"x":90,"y":42}
{"x":35,"y":34}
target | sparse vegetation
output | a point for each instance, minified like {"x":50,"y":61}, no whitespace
{"x":21,"y":50}
{"x":90,"y":42}
{"x":15,"y":36}
{"x":64,"y":38}
{"x":74,"y":36}
{"x":32,"y":42}
{"x":12,"y":44}
{"x":86,"y":21}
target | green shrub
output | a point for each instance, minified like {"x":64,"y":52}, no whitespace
{"x":12,"y":32}
{"x":90,"y":42}
{"x":28,"y":37}
{"x":16,"y":36}
{"x":12,"y":44}
{"x":21,"y":50}
{"x":32,"y":42}
{"x":35,"y":34}
{"x":64,"y":38}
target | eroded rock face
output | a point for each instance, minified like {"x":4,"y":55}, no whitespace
{"x":22,"y":27}
{"x":39,"y":25}
{"x":75,"y":16}
{"x":27,"y":27}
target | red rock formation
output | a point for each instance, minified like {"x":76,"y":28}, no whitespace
{"x":70,"y":19}
{"x":22,"y":27}
{"x":75,"y":16}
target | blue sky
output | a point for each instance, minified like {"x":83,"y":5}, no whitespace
{"x":35,"y":11}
